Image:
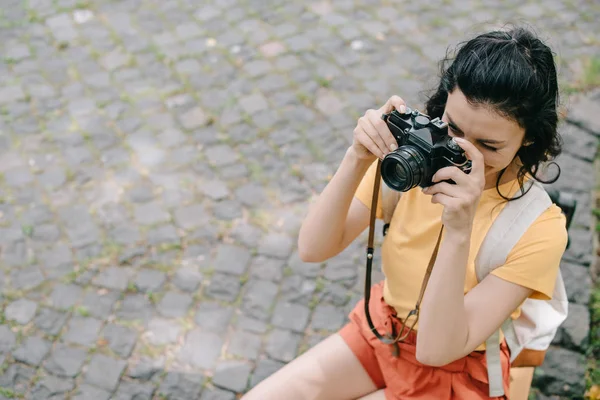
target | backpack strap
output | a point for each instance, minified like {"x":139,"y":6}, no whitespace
{"x":389,"y":201}
{"x":507,"y":229}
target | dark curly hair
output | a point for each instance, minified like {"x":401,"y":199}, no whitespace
{"x":513,"y":73}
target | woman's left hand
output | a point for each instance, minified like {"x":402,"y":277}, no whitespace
{"x":460,"y":200}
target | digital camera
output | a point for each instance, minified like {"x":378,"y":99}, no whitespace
{"x":423,"y":148}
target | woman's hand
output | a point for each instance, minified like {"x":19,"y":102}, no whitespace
{"x":372,"y":137}
{"x":460,"y":200}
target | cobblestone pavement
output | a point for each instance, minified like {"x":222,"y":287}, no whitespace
{"x":157,"y":158}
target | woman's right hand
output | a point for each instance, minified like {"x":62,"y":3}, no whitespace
{"x":372,"y":137}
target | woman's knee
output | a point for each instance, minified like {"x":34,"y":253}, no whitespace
{"x":328,"y":371}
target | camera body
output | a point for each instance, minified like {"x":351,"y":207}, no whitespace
{"x":424,"y":147}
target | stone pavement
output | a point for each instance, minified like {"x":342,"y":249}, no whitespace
{"x":157,"y":158}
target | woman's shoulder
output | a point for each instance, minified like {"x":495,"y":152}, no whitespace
{"x":548,"y":230}
{"x":552,"y":218}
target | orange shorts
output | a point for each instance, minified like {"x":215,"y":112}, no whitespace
{"x":403,"y":377}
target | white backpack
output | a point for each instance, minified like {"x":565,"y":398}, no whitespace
{"x":532,"y":332}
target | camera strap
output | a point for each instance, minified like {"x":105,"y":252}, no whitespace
{"x":386,"y":338}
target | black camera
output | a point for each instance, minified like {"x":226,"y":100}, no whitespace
{"x":423,"y":148}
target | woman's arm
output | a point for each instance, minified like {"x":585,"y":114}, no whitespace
{"x":332,"y":223}
{"x":452,"y":325}
{"x":335,"y":219}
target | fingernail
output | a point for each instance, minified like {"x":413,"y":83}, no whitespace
{"x":402,"y":109}
{"x":393,"y":146}
{"x":460,"y":140}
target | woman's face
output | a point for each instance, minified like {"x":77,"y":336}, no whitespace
{"x":496,"y":137}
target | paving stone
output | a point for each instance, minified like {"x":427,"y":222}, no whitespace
{"x":104,"y":372}
{"x":214,"y":189}
{"x":128,"y":255}
{"x":259,"y":298}
{"x":220,"y":155}
{"x":193,"y":118}
{"x":145,"y":368}
{"x":579,"y":142}
{"x":141,"y":194}
{"x":162,"y":331}
{"x":83,"y":331}
{"x":583,"y":112}
{"x":134,"y":391}
{"x":100,"y":303}
{"x":232,"y":375}
{"x":163,"y":235}
{"x":32,"y":351}
{"x":231,"y":259}
{"x":290,"y":316}
{"x":187,"y":278}
{"x":7,"y":339}
{"x":121,"y":340}
{"x":251,"y":194}
{"x":267,"y":268}
{"x":46,"y":233}
{"x":580,"y":249}
{"x":562,"y":373}
{"x":282,"y":345}
{"x":223,"y":287}
{"x":201,"y":349}
{"x":246,"y":234}
{"x":227,"y":210}
{"x":51,"y":387}
{"x":296,"y":289}
{"x":327,"y":317}
{"x":88,"y":392}
{"x":150,"y":213}
{"x":135,"y":307}
{"x":578,"y":282}
{"x":17,"y":378}
{"x":339,"y":269}
{"x":575,"y":330}
{"x":174,"y":304}
{"x":253,"y":103}
{"x":244,"y":344}
{"x":26,"y":278}
{"x":217,"y":394}
{"x":9,"y":94}
{"x":264,"y":369}
{"x":50,"y":321}
{"x":213,"y":316}
{"x":251,"y":324}
{"x":276,"y":246}
{"x":191,"y":216}
{"x":335,"y":293}
{"x":149,"y":280}
{"x":116,"y":278}
{"x":181,"y":385}
{"x":65,"y":360}
{"x":65,"y":296}
{"x":21,"y":311}
{"x":576,"y":175}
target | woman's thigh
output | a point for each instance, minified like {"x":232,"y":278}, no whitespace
{"x":328,"y":371}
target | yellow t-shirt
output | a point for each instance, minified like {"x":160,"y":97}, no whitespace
{"x":533,"y":262}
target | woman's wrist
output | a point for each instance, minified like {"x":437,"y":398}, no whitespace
{"x":458,"y":237}
{"x":357,"y":162}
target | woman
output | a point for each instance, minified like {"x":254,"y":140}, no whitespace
{"x":499,"y":97}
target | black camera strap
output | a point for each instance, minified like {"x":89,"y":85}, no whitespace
{"x":386,"y":338}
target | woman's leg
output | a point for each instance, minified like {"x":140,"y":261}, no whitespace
{"x":328,"y":371}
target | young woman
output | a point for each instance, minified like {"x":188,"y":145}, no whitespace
{"x":499,"y":97}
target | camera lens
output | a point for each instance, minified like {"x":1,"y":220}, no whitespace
{"x":403,"y":169}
